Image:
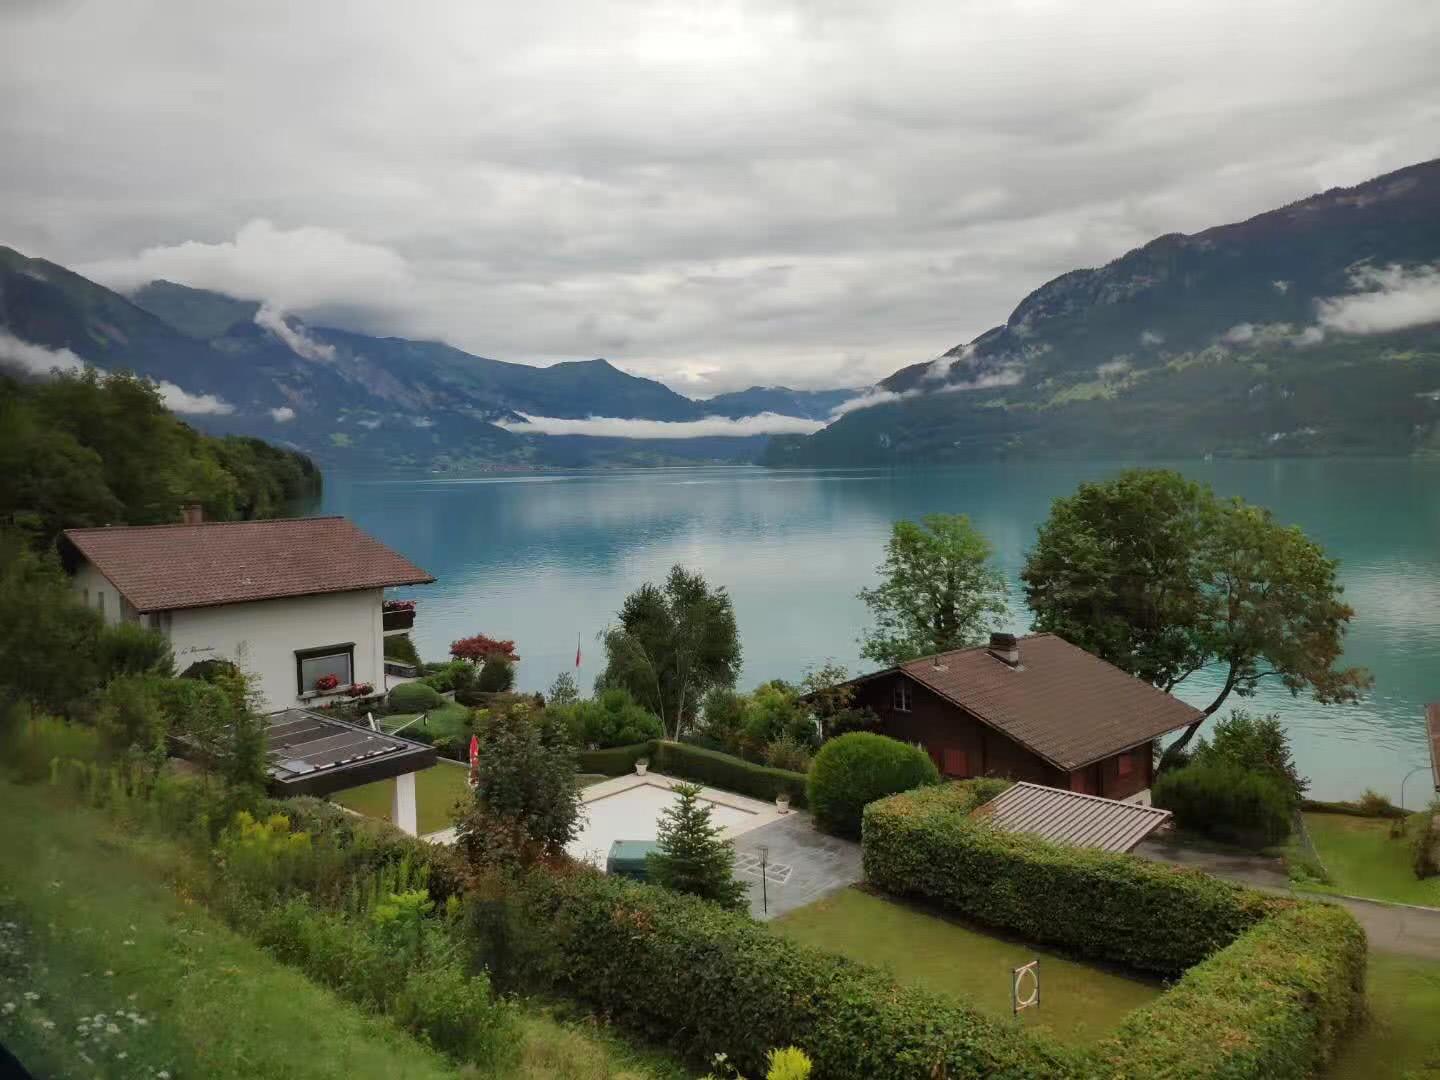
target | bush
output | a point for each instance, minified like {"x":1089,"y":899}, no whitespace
{"x":1257,"y":743}
{"x":612,"y":718}
{"x":1373,"y":804}
{"x":415,"y":697}
{"x":786,"y":753}
{"x":856,"y":769}
{"x":497,"y":675}
{"x":1116,"y":908}
{"x":687,"y":973}
{"x":401,"y":649}
{"x":1274,"y":1004}
{"x":1224,"y":800}
{"x":1425,"y":842}
{"x":131,"y":649}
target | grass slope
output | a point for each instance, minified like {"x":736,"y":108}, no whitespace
{"x":135,"y":978}
{"x":1079,"y":1003}
{"x":1364,"y":861}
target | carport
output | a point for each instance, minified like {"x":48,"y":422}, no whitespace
{"x":1070,"y":817}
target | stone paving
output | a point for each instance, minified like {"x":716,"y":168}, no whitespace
{"x":801,"y":865}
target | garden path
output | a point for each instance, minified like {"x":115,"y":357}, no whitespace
{"x":801,"y":864}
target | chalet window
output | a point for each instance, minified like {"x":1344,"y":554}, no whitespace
{"x":1124,"y":763}
{"x":900,"y":699}
{"x":100,"y":601}
{"x":312,"y":665}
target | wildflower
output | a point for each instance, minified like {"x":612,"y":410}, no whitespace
{"x":8,"y":1008}
{"x":31,"y":995}
{"x":163,"y":1074}
{"x":47,"y":1024}
{"x":121,"y":1056}
{"x":112,"y":1029}
{"x":128,"y":941}
{"x":109,"y":972}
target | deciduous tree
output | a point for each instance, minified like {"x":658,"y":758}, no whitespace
{"x":672,"y":644}
{"x":938,"y":591}
{"x":1156,"y":575}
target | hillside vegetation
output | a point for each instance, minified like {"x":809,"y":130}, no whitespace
{"x":98,"y":449}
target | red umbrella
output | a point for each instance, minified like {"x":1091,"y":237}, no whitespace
{"x":474,"y":760}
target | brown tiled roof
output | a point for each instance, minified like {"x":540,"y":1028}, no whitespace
{"x":1069,"y":817}
{"x":163,"y":567}
{"x":1068,"y":706}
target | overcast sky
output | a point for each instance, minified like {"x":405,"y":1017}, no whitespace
{"x":713,"y":193}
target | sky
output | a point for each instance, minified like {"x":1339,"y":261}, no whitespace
{"x":712,"y":193}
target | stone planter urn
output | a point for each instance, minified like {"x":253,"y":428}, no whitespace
{"x":641,"y":765}
{"x":782,"y":802}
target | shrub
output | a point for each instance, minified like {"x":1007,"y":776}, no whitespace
{"x":773,"y":712}
{"x":1273,"y":1004}
{"x":29,"y":746}
{"x":1425,"y":842}
{"x":692,"y":858}
{"x":497,"y":675}
{"x":1116,"y":908}
{"x":1224,"y":800}
{"x":722,"y":717}
{"x":401,"y":649}
{"x":856,"y":769}
{"x":1373,"y":804}
{"x":131,"y":649}
{"x":415,"y":697}
{"x":786,"y":753}
{"x":692,"y":975}
{"x":1257,"y":743}
{"x":612,"y":718}
{"x":131,"y":718}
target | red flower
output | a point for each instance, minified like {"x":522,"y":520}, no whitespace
{"x":326,"y":682}
{"x":398,"y":605}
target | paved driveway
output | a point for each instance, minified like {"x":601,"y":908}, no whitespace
{"x":801,"y":865}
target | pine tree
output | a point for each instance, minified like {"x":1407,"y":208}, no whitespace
{"x":692,"y":857}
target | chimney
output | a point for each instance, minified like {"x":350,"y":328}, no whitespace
{"x":1006,"y":648}
{"x":192,"y":514}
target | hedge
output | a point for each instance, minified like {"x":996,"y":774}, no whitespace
{"x":1273,"y":1004}
{"x":687,"y":762}
{"x":1117,"y":908}
{"x":1354,"y":809}
{"x":687,"y":973}
{"x":1219,"y":798}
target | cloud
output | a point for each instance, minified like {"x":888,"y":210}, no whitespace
{"x":301,"y":343}
{"x":768,"y":423}
{"x":1112,"y":369}
{"x":869,"y":399}
{"x":308,"y":267}
{"x":715,"y":193}
{"x":283,"y":414}
{"x":36,"y":359}
{"x":182,"y":401}
{"x":1239,"y":334}
{"x":1386,"y":299}
{"x":1282,"y":287}
{"x":1151,"y":337}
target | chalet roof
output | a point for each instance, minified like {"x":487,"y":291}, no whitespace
{"x":1068,"y":706}
{"x":165,"y":567}
{"x":1432,"y":729}
{"x":1069,"y":817}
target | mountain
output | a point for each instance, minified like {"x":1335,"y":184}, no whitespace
{"x":1314,"y":328}
{"x":345,"y":397}
{"x":811,"y":404}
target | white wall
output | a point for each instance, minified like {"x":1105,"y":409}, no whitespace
{"x":263,"y":637}
{"x":90,"y":585}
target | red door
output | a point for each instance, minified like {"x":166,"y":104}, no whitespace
{"x":955,"y":763}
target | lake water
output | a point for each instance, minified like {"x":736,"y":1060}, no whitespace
{"x":544,"y":559}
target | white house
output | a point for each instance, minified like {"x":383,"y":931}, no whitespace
{"x":295,"y":602}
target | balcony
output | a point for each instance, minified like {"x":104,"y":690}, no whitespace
{"x":397,"y":616}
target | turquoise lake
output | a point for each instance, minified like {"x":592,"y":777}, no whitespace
{"x":544,"y":559}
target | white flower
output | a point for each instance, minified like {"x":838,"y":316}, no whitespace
{"x":109,"y":972}
{"x":128,"y":941}
{"x":47,"y":1024}
{"x":9,"y":1007}
{"x":163,"y":1074}
{"x":112,"y":1029}
{"x":121,"y":1056}
{"x":31,"y":995}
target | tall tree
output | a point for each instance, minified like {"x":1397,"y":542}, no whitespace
{"x":692,"y":857}
{"x":672,"y":644}
{"x":938,"y":591}
{"x":1156,"y":575}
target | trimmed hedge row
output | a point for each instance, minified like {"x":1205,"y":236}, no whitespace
{"x":1354,"y":809}
{"x":1116,"y":908}
{"x":1274,"y":1004}
{"x":711,"y":767}
{"x":703,"y":980}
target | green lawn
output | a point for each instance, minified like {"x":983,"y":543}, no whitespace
{"x":1364,"y":861}
{"x":133,"y":977}
{"x":1079,"y":1003}
{"x":449,"y":719}
{"x":437,"y":790}
{"x":1401,"y":1039}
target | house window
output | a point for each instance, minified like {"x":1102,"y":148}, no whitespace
{"x":100,"y":601}
{"x":900,"y":699}
{"x":313,"y":665}
{"x":1124,"y":763}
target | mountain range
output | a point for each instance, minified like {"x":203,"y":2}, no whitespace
{"x":1310,"y":329}
{"x":353,"y":399}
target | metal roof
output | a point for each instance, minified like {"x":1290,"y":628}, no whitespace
{"x":311,"y":754}
{"x":1432,"y":728}
{"x":1068,"y":817}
